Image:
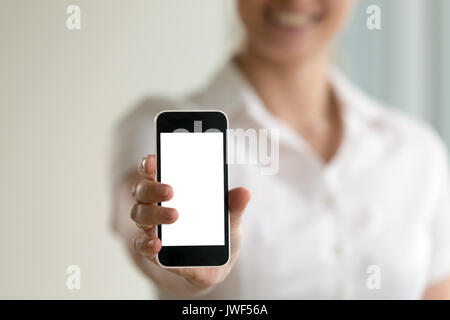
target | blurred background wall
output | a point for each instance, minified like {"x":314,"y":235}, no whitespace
{"x":407,"y":62}
{"x":62,"y":91}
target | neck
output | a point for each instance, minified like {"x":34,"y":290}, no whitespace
{"x":297,"y":93}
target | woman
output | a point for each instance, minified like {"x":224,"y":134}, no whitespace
{"x":359,"y":207}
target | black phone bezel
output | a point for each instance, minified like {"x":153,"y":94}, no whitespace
{"x":194,"y":256}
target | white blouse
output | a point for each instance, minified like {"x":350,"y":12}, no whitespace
{"x":374,"y":223}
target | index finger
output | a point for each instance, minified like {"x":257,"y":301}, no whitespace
{"x":147,"y":167}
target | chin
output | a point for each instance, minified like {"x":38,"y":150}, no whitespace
{"x":290,"y":53}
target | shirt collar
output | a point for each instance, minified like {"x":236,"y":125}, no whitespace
{"x":231,"y":92}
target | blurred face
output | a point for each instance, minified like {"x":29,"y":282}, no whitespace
{"x":291,"y":30}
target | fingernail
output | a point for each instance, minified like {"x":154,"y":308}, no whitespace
{"x":150,"y":243}
{"x":142,"y":165}
{"x":169,"y":214}
{"x":137,"y":241}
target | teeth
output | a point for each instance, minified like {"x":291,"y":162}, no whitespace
{"x":289,"y":19}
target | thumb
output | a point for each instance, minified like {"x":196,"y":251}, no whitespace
{"x":237,"y":202}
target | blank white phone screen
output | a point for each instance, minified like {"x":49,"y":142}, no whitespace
{"x":192,"y":163}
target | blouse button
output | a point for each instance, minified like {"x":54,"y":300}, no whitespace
{"x":329,"y":202}
{"x":338,"y":251}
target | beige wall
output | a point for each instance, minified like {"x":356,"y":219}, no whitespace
{"x":60,"y":93}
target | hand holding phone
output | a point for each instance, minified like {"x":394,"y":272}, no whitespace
{"x":148,"y":215}
{"x":191,"y":156}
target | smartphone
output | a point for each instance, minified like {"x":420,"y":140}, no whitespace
{"x":191,"y":158}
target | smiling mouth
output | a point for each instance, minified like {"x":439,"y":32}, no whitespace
{"x":291,"y":19}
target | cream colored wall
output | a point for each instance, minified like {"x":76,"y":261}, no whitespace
{"x":60,"y":93}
